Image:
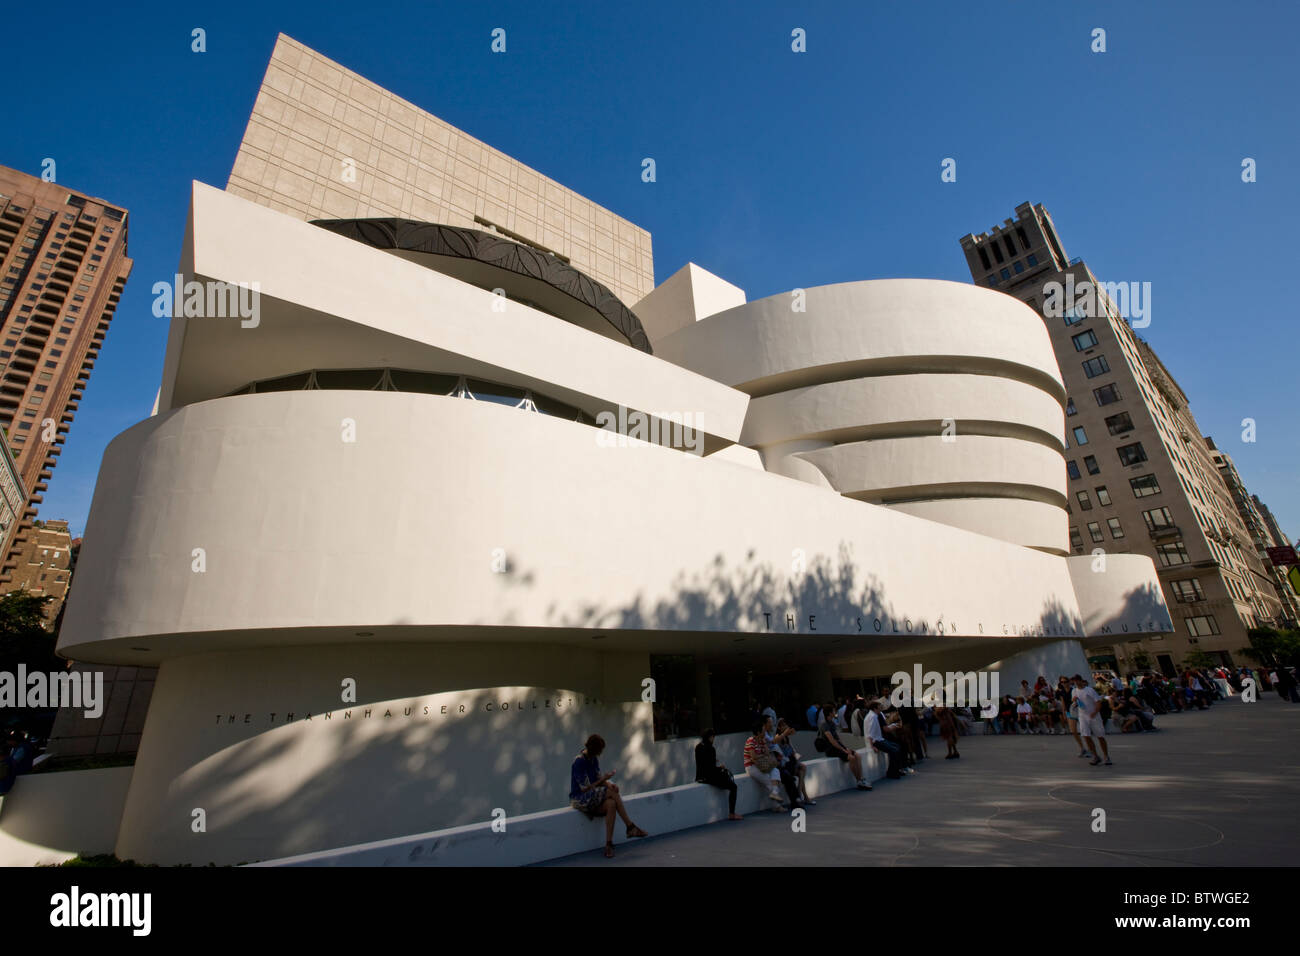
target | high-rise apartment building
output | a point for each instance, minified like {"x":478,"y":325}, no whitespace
{"x":63,"y":265}
{"x":1252,"y":512}
{"x":43,"y":564}
{"x":13,"y":498}
{"x":1142,"y":478}
{"x":1280,"y":540}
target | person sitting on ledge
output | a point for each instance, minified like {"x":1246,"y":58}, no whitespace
{"x":591,"y":792}
{"x":1007,"y":715}
{"x":791,"y":761}
{"x":874,"y":731}
{"x":1125,"y":715}
{"x":834,"y":747}
{"x":763,"y":766}
{"x":1145,"y":715}
{"x":709,"y":769}
{"x":1024,"y":716}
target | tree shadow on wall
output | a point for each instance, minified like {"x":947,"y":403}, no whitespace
{"x":723,"y":598}
{"x":322,"y":784}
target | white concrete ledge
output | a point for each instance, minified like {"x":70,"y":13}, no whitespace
{"x":50,"y":817}
{"x":550,"y":834}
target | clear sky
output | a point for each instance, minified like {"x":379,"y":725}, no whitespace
{"x":774,"y":169}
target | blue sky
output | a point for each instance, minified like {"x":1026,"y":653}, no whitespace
{"x":775,"y":169}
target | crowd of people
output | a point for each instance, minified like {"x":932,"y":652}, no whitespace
{"x":779,"y":770}
{"x":1124,"y":706}
{"x":1085,"y":708}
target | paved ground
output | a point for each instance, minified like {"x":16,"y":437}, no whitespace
{"x":1219,"y":787}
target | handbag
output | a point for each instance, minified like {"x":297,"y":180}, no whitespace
{"x":764,"y":760}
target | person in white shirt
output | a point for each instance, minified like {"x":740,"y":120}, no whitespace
{"x":874,"y":731}
{"x":1091,"y":727}
{"x":1024,"y":715}
{"x":841,"y":716}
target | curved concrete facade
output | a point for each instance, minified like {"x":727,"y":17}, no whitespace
{"x":941,"y":399}
{"x":1032,"y":524}
{"x":896,"y":405}
{"x":581,"y":562}
{"x":855,"y":329}
{"x":489,"y":585}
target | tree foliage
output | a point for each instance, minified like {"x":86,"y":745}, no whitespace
{"x":23,"y":637}
{"x":1271,"y":646}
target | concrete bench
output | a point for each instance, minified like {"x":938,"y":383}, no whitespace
{"x":549,"y":834}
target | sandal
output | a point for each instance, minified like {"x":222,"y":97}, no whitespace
{"x":609,"y":851}
{"x":635,"y":831}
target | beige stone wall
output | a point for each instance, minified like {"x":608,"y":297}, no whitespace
{"x":313,"y":116}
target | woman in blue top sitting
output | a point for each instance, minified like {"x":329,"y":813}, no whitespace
{"x":591,"y":792}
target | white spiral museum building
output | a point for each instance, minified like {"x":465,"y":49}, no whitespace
{"x":393,"y":571}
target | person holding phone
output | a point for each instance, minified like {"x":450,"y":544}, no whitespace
{"x":592,"y":792}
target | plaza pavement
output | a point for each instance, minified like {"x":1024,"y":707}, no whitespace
{"x":1219,"y":787}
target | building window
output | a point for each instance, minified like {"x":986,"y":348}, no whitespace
{"x":1158,"y":519}
{"x":1131,"y":454}
{"x":1171,"y":553}
{"x":1103,"y":496}
{"x":1031,"y":259}
{"x":1144,"y":486}
{"x":1202,"y":626}
{"x":1116,"y":531}
{"x":1074,"y":315}
{"x":1119,"y":424}
{"x":1018,"y":267}
{"x":997,"y":253}
{"x":1085,"y":503}
{"x":1005,"y":273}
{"x":993,"y":281}
{"x":1096,"y":366}
{"x":1084,"y":340}
{"x":1094,"y":529}
{"x":1187,"y":590}
{"x":1080,"y":435}
{"x":1069,"y":407}
{"x":1072,"y":468}
{"x":984,"y":258}
{"x":1011,"y":246}
{"x":1106,"y":394}
{"x":1076,"y":540}
{"x":1090,"y":462}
